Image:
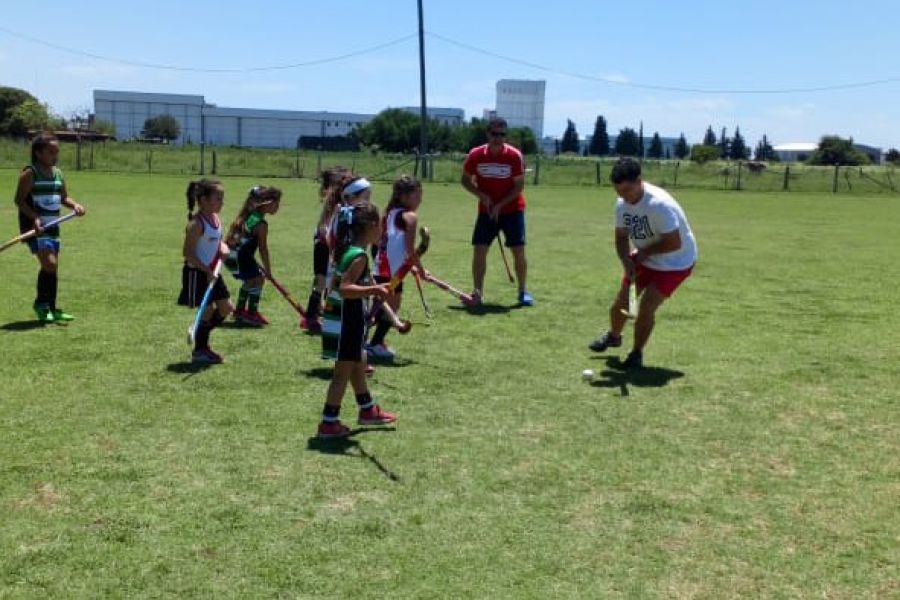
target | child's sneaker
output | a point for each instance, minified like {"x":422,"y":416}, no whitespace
{"x":43,"y":312}
{"x":333,"y":429}
{"x":258,"y":317}
{"x":380,"y":352}
{"x":248,"y":318}
{"x":206,"y":357}
{"x":375,"y":416}
{"x":607,"y":340}
{"x":634,"y":360}
{"x":526,"y":299}
{"x":59,"y":315}
{"x":474,"y":299}
{"x":311,"y":326}
{"x":238,"y":314}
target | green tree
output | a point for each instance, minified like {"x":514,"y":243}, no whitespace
{"x":738,"y":149}
{"x":569,"y":139}
{"x":101,"y":126}
{"x":834,"y":150}
{"x":31,"y":115}
{"x":892,"y":156}
{"x":702,"y":153}
{"x":710,"y":138}
{"x":627,"y":143}
{"x":600,"y":141}
{"x":656,"y":148}
{"x":724,"y":145}
{"x":163,"y":127}
{"x":764,"y":150}
{"x":682,"y":150}
{"x":10,"y":98}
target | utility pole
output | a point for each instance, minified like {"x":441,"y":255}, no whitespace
{"x":423,"y":131}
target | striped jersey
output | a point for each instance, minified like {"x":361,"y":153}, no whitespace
{"x":46,"y":199}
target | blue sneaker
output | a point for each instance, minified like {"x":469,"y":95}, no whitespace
{"x":525,"y":299}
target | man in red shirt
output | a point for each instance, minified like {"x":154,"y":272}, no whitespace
{"x":495,"y":174}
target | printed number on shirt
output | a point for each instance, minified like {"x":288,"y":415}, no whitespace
{"x":638,"y":227}
{"x":494,"y":170}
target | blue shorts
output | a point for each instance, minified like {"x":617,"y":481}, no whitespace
{"x":38,"y":244}
{"x":512,"y":225}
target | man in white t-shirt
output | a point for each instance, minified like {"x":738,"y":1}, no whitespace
{"x":650,"y":220}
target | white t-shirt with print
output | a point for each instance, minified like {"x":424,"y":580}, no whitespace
{"x":657,"y":213}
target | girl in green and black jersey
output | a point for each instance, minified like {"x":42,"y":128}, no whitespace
{"x":248,"y":233}
{"x":344,"y":327}
{"x":40,"y":196}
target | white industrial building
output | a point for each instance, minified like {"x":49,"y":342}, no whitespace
{"x":521,"y":103}
{"x":795,"y":151}
{"x":251,"y":127}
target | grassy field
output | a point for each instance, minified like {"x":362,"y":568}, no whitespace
{"x":133,"y":157}
{"x":757,"y":455}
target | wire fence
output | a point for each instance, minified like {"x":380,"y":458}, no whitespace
{"x":222,"y":161}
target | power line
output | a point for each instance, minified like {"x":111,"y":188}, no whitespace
{"x":148,"y":65}
{"x":665,"y":88}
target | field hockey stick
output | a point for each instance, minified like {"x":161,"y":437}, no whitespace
{"x":284,"y":293}
{"x":403,"y":326}
{"x":192,"y":330}
{"x":631,"y":313}
{"x":421,"y":249}
{"x":418,"y":278}
{"x":30,"y":234}
{"x":505,"y":262}
{"x":464,"y":297}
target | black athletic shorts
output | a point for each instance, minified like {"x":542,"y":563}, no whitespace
{"x":196,"y":282}
{"x":320,"y":257}
{"x":352,"y":342}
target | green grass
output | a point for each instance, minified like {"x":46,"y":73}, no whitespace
{"x":756,"y":457}
{"x":133,"y":157}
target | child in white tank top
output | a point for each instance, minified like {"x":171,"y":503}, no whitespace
{"x":397,"y":246}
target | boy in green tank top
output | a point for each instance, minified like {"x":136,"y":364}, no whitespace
{"x":40,"y":196}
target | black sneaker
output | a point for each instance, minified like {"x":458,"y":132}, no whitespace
{"x":607,"y":340}
{"x":634,"y":360}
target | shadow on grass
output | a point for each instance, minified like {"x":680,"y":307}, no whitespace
{"x":616,"y":377}
{"x":188,"y":369}
{"x":23,"y":325}
{"x":345,"y":446}
{"x":485,"y":309}
{"x":238,"y":325}
{"x":323,"y":373}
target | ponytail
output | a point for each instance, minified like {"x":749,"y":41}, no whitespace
{"x":353,"y":221}
{"x":191,"y":194}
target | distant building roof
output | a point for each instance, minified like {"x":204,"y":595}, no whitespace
{"x":796,"y":147}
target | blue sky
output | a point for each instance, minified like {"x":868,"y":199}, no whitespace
{"x":705,"y":44}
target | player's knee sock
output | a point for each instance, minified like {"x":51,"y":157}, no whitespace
{"x":382,"y":327}
{"x":43,"y":289}
{"x":364,"y":401}
{"x":331,"y":414}
{"x":243,"y":296}
{"x":313,"y":304}
{"x":253,"y":297}
{"x":54,"y":285}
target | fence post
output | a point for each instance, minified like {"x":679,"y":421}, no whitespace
{"x":77,"y":152}
{"x":431,"y":168}
{"x":787,"y":178}
{"x":92,"y":156}
{"x":835,"y":184}
{"x":537,"y":169}
{"x":598,"y":172}
{"x":738,"y":187}
{"x":214,"y":163}
{"x":319,"y":164}
{"x":202,"y":158}
{"x":297,"y":164}
{"x":150,"y":162}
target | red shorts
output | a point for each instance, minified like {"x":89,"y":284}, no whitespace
{"x":664,"y":281}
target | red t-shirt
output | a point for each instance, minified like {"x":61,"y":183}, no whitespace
{"x":494,"y":174}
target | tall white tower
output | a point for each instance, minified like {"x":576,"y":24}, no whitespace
{"x":521,"y":103}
